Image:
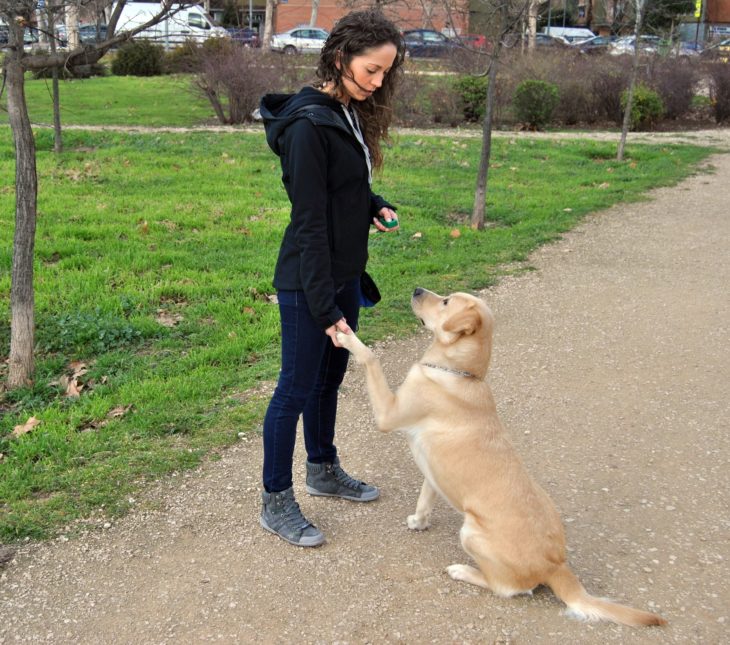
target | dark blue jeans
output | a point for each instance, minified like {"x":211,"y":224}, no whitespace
{"x":312,"y":369}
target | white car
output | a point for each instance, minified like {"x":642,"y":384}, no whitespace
{"x":299,"y":40}
{"x":647,"y":45}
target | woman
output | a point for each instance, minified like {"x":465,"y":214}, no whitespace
{"x":328,"y":138}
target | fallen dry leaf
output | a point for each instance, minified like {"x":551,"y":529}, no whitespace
{"x":26,"y":427}
{"x":417,"y":236}
{"x":119,"y":411}
{"x":114,"y":413}
{"x":73,"y":387}
{"x":604,"y":185}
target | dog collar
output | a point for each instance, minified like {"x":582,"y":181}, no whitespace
{"x":450,"y":370}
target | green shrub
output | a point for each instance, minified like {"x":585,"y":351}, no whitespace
{"x":472,"y":93}
{"x":185,"y":59}
{"x":646,"y":109}
{"x":138,"y":58}
{"x":535,"y":101}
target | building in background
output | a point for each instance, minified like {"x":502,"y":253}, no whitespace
{"x":426,"y":14}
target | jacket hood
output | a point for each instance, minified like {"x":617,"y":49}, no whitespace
{"x":278,"y":111}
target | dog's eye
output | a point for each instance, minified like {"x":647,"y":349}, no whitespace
{"x":446,"y":301}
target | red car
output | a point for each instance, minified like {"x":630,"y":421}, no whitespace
{"x":475,"y":41}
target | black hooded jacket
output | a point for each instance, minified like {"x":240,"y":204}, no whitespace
{"x":326,"y":177}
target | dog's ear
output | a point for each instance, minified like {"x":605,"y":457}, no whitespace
{"x":462,"y":323}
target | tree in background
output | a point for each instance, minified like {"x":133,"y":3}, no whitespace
{"x":639,"y":7}
{"x":19,"y":15}
{"x":503,"y":21}
{"x":662,"y":16}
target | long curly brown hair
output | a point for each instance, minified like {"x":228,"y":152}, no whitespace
{"x":352,"y":36}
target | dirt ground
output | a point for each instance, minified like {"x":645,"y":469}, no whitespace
{"x":611,"y":370}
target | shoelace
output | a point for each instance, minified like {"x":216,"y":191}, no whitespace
{"x":292,"y":513}
{"x":343,"y":478}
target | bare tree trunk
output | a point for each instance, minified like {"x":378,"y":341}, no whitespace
{"x":315,"y":11}
{"x":22,"y":324}
{"x":532,"y":23}
{"x":57,"y":136}
{"x":639,"y":6}
{"x":268,"y":25}
{"x":480,"y":195}
{"x":629,"y":105}
{"x":72,"y":25}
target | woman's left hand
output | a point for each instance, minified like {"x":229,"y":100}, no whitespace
{"x":387,"y":214}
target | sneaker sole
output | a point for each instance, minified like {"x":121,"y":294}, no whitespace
{"x":367,"y":497}
{"x":307,"y":542}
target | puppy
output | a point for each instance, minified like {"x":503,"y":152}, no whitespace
{"x":446,"y":410}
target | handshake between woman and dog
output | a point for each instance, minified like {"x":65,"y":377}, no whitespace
{"x":446,"y":410}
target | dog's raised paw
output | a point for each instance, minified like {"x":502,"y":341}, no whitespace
{"x":460,"y":572}
{"x":417,"y":523}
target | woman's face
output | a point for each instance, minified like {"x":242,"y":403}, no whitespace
{"x":367,"y":71}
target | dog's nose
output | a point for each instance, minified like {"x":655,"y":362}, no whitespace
{"x":417,"y":292}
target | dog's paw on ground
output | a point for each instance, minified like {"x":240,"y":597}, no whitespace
{"x":417,"y":523}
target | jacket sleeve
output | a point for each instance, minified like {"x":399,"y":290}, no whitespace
{"x":306,"y":162}
{"x":376,"y":203}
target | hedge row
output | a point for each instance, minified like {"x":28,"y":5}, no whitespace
{"x":553,"y":89}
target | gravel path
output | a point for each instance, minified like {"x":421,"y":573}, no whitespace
{"x":611,"y":370}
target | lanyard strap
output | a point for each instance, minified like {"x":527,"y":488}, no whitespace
{"x":355,"y":125}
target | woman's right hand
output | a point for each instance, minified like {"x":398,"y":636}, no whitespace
{"x":341,"y":326}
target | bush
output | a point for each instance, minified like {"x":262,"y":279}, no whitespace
{"x":446,"y":107}
{"x":185,"y":59}
{"x":138,"y":58}
{"x":674,"y":80}
{"x":233,"y":78}
{"x":535,"y":101}
{"x":646,"y":109}
{"x":472,"y":94}
{"x":608,"y":81}
{"x":720,"y":91}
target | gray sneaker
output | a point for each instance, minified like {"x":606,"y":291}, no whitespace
{"x":331,"y":481}
{"x":281,"y":515}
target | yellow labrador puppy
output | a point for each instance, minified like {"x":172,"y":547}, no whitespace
{"x":445,"y":407}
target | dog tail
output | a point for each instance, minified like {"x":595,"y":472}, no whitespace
{"x":583,"y":606}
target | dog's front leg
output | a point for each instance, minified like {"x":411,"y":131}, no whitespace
{"x":388,"y":414}
{"x":421,"y":519}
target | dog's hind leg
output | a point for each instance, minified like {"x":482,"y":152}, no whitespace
{"x":491,"y":574}
{"x":421,"y":519}
{"x":466,"y":573}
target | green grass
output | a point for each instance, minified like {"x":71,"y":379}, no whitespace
{"x":134,"y":229}
{"x":118,"y":100}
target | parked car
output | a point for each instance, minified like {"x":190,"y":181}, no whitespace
{"x":92,"y":33}
{"x":474,"y":41}
{"x":570,"y":34}
{"x":299,"y":40}
{"x":30,"y":37}
{"x":545,"y":40}
{"x":247,"y":36}
{"x":595,"y":45}
{"x":427,"y":43}
{"x":625,"y":45}
{"x":718,"y":52}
